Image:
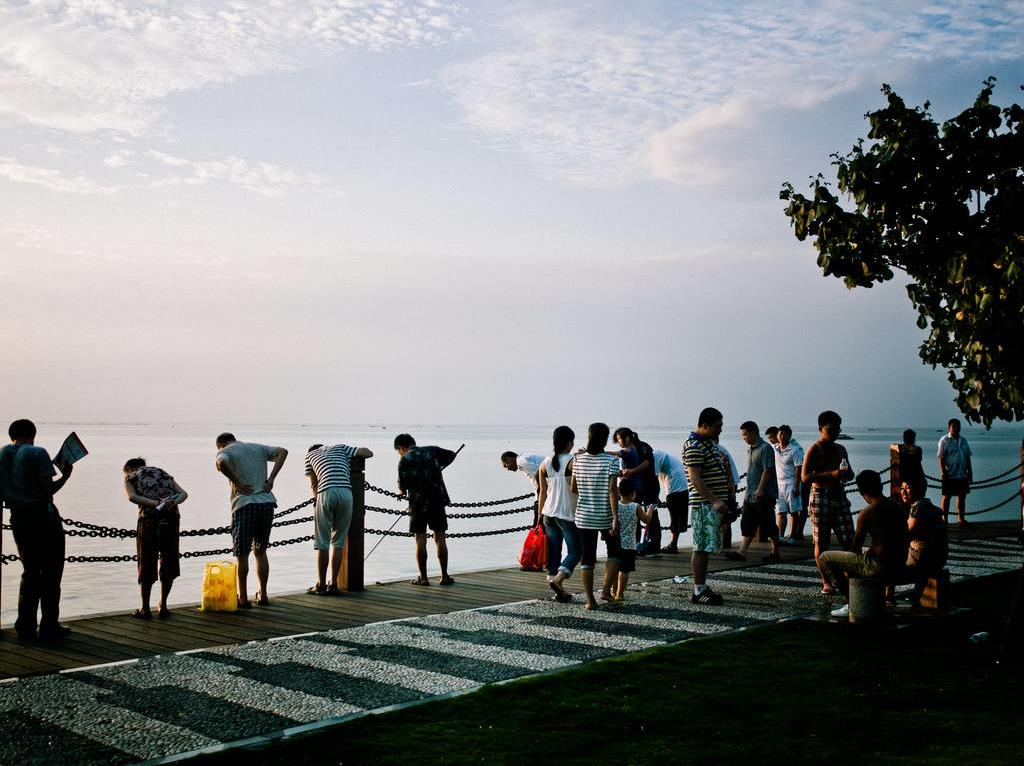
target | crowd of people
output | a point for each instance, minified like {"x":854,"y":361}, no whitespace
{"x":584,"y":496}
{"x":596,"y":493}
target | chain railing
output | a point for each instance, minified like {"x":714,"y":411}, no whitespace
{"x":86,"y":529}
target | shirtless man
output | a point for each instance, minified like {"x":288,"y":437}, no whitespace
{"x":885,"y":523}
{"x":826,"y":466}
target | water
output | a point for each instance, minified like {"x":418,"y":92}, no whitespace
{"x":95,"y":494}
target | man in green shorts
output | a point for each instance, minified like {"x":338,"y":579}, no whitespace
{"x":709,"y":489}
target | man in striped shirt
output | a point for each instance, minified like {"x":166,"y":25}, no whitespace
{"x":709,"y":490}
{"x":329,"y":470}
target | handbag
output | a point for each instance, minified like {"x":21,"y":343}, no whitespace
{"x":534,"y":555}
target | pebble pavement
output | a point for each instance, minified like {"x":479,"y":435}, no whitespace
{"x":162,"y":706}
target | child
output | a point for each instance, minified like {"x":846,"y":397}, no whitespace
{"x":623,"y":546}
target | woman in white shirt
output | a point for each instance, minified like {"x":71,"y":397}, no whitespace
{"x":558,"y":509}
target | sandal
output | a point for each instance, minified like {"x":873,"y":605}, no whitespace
{"x":332,"y":590}
{"x":247,"y":604}
{"x":164,"y":613}
{"x":560,"y":594}
{"x":827,"y":591}
{"x":142,"y":614}
{"x":317,"y":590}
{"x":262,"y":600}
{"x":446,"y":581}
{"x":734,"y":556}
{"x":420,"y":581}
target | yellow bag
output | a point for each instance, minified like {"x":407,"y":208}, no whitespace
{"x":219,"y":587}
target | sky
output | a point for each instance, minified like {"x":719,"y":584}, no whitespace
{"x":420,"y":211}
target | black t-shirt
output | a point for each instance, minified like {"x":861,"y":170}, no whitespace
{"x":887,"y":526}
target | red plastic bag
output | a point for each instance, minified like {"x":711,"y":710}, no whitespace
{"x":534,"y":554}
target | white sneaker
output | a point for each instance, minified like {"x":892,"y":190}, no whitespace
{"x":843,"y":611}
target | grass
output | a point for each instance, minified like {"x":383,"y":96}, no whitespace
{"x":798,"y":692}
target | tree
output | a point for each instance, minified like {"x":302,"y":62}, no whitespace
{"x":946,"y":207}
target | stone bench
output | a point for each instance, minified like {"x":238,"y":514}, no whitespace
{"x":867,"y":595}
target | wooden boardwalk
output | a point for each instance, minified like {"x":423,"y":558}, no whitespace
{"x":117,"y":636}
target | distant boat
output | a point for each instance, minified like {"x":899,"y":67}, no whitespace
{"x":844,"y":438}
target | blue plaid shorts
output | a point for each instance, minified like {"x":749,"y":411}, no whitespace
{"x":250,"y":528}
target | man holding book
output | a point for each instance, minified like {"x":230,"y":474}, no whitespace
{"x":27,"y":487}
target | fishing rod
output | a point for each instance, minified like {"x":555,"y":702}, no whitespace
{"x":399,"y":517}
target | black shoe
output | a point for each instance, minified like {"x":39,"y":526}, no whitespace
{"x":55,"y":633}
{"x":707,"y":596}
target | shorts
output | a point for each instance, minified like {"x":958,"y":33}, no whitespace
{"x":250,"y":528}
{"x":332,"y":518}
{"x":624,"y":557}
{"x":829,"y":512}
{"x":707,"y":528}
{"x":427,"y":515}
{"x":678,"y":511}
{"x":788,"y":502}
{"x":759,"y":514}
{"x":955,"y":487}
{"x":588,"y":546}
{"x":156,"y":539}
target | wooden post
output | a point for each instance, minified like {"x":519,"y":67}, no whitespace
{"x":894,"y":472}
{"x":352,"y":556}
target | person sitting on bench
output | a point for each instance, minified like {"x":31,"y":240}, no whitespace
{"x":886,"y":524}
{"x":929,"y":543}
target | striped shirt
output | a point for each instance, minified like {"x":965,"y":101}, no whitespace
{"x":702,"y":454}
{"x":594,"y":510}
{"x":332,"y":466}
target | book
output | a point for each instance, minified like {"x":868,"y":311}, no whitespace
{"x":71,"y":451}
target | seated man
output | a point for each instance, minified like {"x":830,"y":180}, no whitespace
{"x":885,"y":522}
{"x":929,"y":543}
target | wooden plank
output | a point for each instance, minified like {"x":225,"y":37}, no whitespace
{"x":116,"y":636}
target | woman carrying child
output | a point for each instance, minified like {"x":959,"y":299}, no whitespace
{"x":558,"y":507}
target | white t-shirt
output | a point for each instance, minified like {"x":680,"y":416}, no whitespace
{"x":530,"y":464}
{"x":788,"y":462}
{"x":671,"y":472}
{"x":954,"y":453}
{"x":560,"y":502}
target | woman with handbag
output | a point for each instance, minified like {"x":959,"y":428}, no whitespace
{"x":558,"y":509}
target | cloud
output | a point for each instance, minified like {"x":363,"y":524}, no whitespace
{"x":51,"y":179}
{"x":691,"y":151}
{"x":263,"y":178}
{"x":614,"y":99}
{"x":154,"y":170}
{"x":81,"y":66}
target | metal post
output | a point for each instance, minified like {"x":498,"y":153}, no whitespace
{"x":352,"y":556}
{"x":894,"y":472}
